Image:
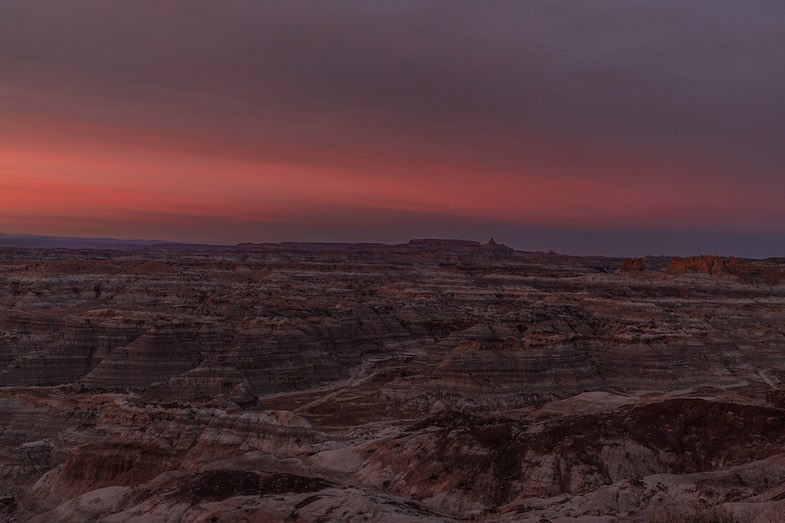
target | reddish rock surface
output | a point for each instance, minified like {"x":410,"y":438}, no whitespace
{"x":752,"y":271}
{"x":633,"y":264}
{"x":434,"y":380}
{"x":707,"y":265}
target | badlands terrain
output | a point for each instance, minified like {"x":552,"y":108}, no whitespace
{"x":429,"y":381}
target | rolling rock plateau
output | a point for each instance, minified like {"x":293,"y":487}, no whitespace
{"x":436,"y":380}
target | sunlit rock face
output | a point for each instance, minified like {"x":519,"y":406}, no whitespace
{"x":434,"y":380}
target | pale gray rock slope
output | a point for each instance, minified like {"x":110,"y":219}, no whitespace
{"x":433,"y":380}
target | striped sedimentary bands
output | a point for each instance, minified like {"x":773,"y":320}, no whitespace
{"x":433,"y":380}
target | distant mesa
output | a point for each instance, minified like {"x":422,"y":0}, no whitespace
{"x":433,"y":249}
{"x":29,"y":241}
{"x":436,"y":249}
{"x":439,"y":243}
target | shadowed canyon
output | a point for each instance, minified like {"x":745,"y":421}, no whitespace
{"x":437,"y":380}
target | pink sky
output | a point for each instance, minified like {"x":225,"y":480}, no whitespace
{"x":392,"y":121}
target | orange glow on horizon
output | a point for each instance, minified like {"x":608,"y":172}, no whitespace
{"x":116,"y":182}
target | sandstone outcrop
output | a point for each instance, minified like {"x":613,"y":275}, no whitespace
{"x":707,"y":265}
{"x":767,"y":272}
{"x":633,"y":264}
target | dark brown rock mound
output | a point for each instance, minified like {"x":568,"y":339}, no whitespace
{"x":633,"y":265}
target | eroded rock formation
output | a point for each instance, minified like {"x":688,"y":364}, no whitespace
{"x":433,"y":380}
{"x":633,"y":264}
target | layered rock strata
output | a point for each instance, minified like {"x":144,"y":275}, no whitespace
{"x":433,"y":380}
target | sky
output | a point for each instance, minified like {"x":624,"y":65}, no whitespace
{"x":621,"y":127}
